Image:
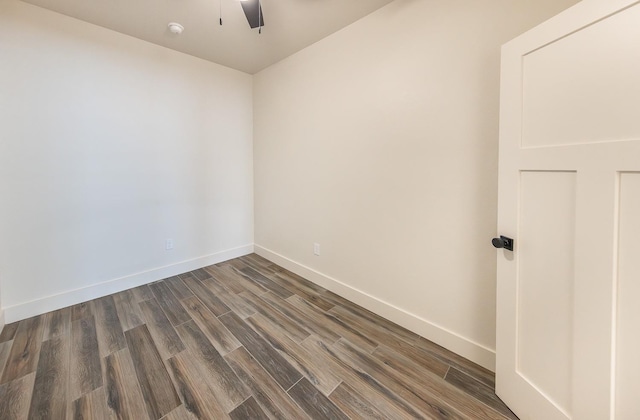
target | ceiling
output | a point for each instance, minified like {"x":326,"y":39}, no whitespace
{"x":290,"y":25}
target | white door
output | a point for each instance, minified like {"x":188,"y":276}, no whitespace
{"x":568,"y":329}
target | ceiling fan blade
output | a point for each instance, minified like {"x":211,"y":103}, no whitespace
{"x":253,"y":12}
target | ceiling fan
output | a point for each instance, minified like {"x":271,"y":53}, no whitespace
{"x":253,"y":11}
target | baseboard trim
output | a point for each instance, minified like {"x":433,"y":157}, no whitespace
{"x":72,"y":297}
{"x":458,"y":344}
{"x":2,"y":322}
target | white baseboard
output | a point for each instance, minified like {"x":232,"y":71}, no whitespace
{"x":72,"y":297}
{"x":456,"y":343}
{"x":2,"y":323}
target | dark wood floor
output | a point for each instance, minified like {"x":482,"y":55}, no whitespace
{"x":244,"y":339}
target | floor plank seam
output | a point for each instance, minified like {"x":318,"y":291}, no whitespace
{"x":334,"y":388}
{"x":242,"y":402}
{"x":446,"y":373}
{"x":287,"y":391}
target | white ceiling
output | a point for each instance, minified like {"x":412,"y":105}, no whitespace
{"x":290,"y":25}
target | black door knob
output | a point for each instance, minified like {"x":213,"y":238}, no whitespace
{"x":498,"y":242}
{"x":503,"y":242}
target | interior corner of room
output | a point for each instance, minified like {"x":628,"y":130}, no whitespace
{"x":124,"y":162}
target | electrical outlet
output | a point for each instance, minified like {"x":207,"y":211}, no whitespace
{"x":316,"y":249}
{"x":168,"y":244}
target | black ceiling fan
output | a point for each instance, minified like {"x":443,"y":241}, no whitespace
{"x":253,"y":11}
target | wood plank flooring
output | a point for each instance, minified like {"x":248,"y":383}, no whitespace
{"x":244,"y":339}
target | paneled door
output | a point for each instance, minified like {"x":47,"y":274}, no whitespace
{"x":568,"y":316}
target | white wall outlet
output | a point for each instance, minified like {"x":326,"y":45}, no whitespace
{"x":316,"y":249}
{"x":168,"y":244}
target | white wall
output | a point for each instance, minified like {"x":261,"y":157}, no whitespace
{"x":109,"y":145}
{"x":380,"y":144}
